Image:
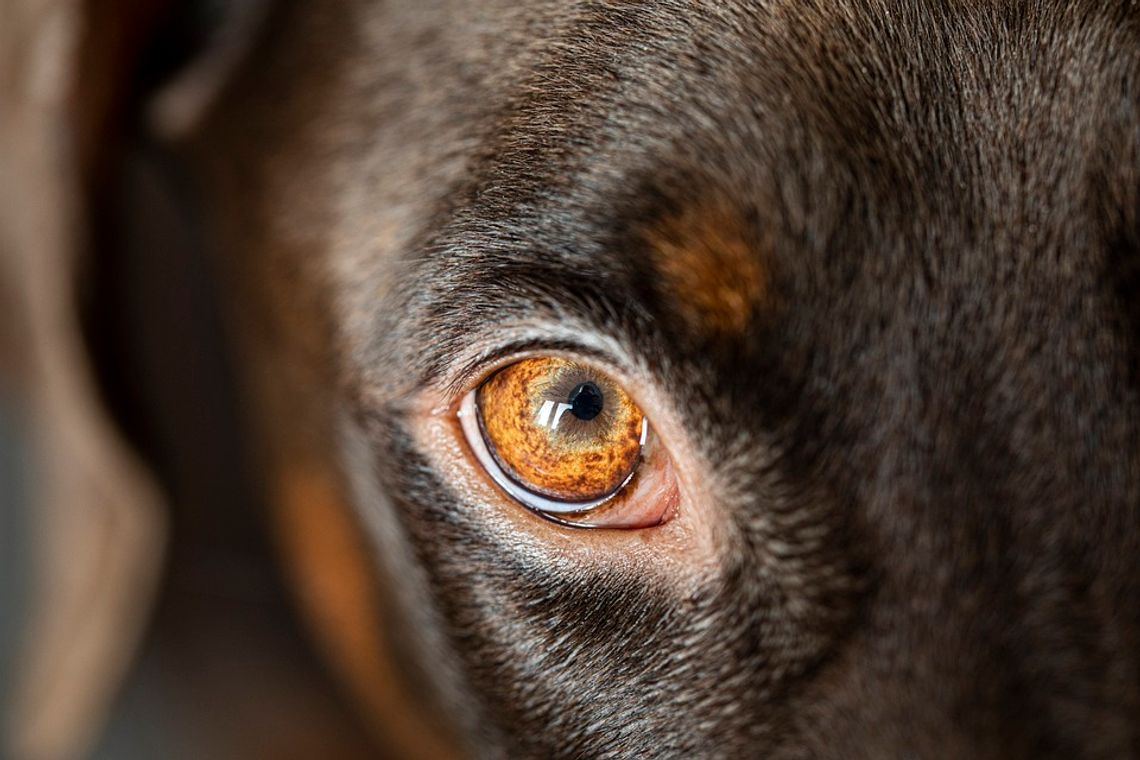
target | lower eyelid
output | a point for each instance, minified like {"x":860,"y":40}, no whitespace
{"x":660,"y":525}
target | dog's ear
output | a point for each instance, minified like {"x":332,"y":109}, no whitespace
{"x":93,"y":515}
{"x":72,"y":77}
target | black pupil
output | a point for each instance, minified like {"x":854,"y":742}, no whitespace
{"x":586,"y":401}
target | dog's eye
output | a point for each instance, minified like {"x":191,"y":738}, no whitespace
{"x":558,"y":436}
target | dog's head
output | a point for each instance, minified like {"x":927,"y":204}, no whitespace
{"x":867,"y":269}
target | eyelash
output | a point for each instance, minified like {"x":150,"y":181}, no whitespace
{"x":486,"y":364}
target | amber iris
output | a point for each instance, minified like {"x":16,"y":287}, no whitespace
{"x":561,"y":429}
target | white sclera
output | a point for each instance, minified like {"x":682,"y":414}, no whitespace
{"x":468,"y":420}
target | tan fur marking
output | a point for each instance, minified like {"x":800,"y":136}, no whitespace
{"x":333,"y":575}
{"x":712,"y":269}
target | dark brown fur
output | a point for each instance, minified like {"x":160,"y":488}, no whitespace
{"x":920,"y":383}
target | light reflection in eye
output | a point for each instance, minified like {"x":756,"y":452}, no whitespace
{"x":550,"y":414}
{"x":467,"y":414}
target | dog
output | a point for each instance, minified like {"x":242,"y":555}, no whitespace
{"x":868,"y":272}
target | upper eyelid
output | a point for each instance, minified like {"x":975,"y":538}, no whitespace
{"x":483,"y":364}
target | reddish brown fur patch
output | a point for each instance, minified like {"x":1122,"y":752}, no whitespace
{"x":333,"y":574}
{"x":707,"y":262}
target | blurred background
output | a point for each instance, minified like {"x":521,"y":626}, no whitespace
{"x":142,"y":611}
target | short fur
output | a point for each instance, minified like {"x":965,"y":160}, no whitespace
{"x":921,"y":411}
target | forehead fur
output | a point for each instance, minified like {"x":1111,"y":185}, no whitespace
{"x":904,"y":137}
